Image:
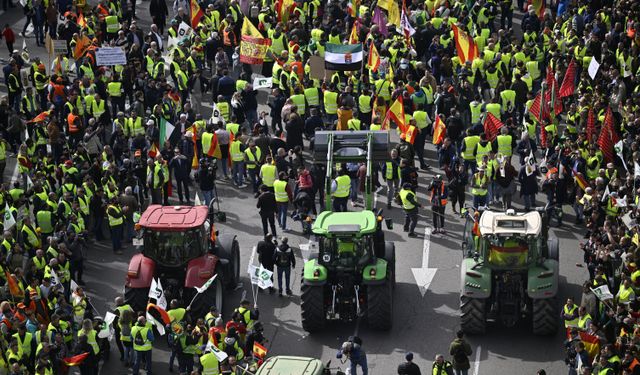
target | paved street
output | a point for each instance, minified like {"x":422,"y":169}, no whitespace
{"x":424,"y":325}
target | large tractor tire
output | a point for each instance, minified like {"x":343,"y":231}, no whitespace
{"x":137,"y":298}
{"x":229,"y":249}
{"x":390,"y":257}
{"x":213,"y":296}
{"x":473,"y":315}
{"x":380,"y":305}
{"x":312,"y":307}
{"x":553,"y":249}
{"x":544,"y":317}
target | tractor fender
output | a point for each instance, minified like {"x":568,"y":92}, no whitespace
{"x":140,"y":272}
{"x":474,"y":282}
{"x":309,"y":276}
{"x":199,"y":270}
{"x":542,"y":280}
{"x":375,"y":273}
{"x":224,"y":245}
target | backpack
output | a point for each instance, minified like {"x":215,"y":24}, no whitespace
{"x":282,"y":258}
{"x":125,"y":330}
{"x":138,"y":340}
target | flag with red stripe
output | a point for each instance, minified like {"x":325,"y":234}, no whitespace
{"x":569,"y":81}
{"x":76,"y":360}
{"x":608,"y":137}
{"x":465,"y":45}
{"x":591,"y":125}
{"x":492,"y":126}
{"x":552,"y":95}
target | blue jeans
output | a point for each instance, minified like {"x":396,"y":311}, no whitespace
{"x":128,"y":353}
{"x":461,"y":372}
{"x":253,"y":176}
{"x":207,"y":195}
{"x":529,"y":201}
{"x":116,"y":237}
{"x":282,"y":214}
{"x":353,"y":194}
{"x":479,"y":200}
{"x":287,"y":277}
{"x":238,"y":172}
{"x":129,"y":229}
{"x":362,"y":361}
{"x":139,"y":356}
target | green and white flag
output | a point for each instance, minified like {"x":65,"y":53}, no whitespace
{"x":343,"y":57}
{"x":9,"y":220}
{"x":206,"y":285}
{"x":166,"y":129}
{"x":602,"y":292}
{"x":619,"y":148}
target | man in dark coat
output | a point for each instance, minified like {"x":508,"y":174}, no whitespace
{"x":460,"y":350}
{"x":181,"y":167}
{"x":159,"y":13}
{"x":266,"y":250}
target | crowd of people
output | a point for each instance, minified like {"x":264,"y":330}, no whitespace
{"x":94,"y":147}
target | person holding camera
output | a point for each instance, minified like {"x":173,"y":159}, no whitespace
{"x":352,"y":348}
{"x":439,"y":194}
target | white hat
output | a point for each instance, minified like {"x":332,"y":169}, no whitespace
{"x":150,"y":122}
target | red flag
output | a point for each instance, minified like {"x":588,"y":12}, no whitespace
{"x":534,"y":110}
{"x":569,"y":81}
{"x":196,"y":13}
{"x":608,"y":137}
{"x":439,"y":131}
{"x":76,"y":360}
{"x":158,"y":313}
{"x":14,"y":288}
{"x":492,"y":126}
{"x":552,"y":95}
{"x":591,"y":125}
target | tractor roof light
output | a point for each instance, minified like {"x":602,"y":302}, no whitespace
{"x":132,"y":273}
{"x":316,"y":273}
{"x":372,"y":272}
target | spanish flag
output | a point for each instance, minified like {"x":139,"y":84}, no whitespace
{"x":153,"y":151}
{"x":373,"y":62}
{"x":81,"y":21}
{"x":259,"y":350}
{"x":395,"y":113}
{"x":41,"y":117}
{"x":580,"y":180}
{"x":82,"y":44}
{"x":439,"y":131}
{"x":538,"y":6}
{"x":196,"y":13}
{"x":253,"y":47}
{"x":591,"y":343}
{"x":465,"y":45}
{"x":76,"y":360}
{"x":353,"y":37}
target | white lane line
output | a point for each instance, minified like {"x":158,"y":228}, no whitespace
{"x":476,"y":366}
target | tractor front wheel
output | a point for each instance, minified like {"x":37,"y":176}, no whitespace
{"x":213,"y":296}
{"x":312,"y":307}
{"x":544,"y":317}
{"x":473,"y":316}
{"x":137,"y":298}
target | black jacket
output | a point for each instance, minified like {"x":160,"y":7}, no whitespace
{"x":266,"y":253}
{"x":266,"y":203}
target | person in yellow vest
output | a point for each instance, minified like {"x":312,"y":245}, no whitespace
{"x":569,"y":314}
{"x":410,"y":205}
{"x":39,"y":262}
{"x":252,"y":162}
{"x":584,"y":319}
{"x":210,"y":364}
{"x":330,"y":99}
{"x":27,"y":343}
{"x":268,"y":173}
{"x":504,"y":143}
{"x":249,"y":317}
{"x":625,"y":294}
{"x":116,"y":223}
{"x":143,"y":338}
{"x":340,"y":190}
{"x":479,"y":187}
{"x":468,"y":150}
{"x":120,"y":322}
{"x":284,"y":195}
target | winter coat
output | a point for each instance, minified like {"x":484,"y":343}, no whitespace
{"x":460,"y":351}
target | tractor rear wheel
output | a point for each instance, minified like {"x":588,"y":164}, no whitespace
{"x":380,"y":304}
{"x":390,"y":257}
{"x":229,"y":249}
{"x":473,"y":316}
{"x":137,"y":298}
{"x":213,"y":296}
{"x":312,"y":307}
{"x":544,"y":317}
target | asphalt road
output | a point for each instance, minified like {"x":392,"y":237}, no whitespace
{"x":424,"y":325}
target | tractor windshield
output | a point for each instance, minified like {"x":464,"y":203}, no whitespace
{"x":507,"y":251}
{"x":173,"y":248}
{"x":343,"y":251}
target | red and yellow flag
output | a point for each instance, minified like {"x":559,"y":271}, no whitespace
{"x":492,"y":126}
{"x":373,"y":62}
{"x":153,"y":151}
{"x":14,"y":288}
{"x":439,"y":131}
{"x":76,"y":360}
{"x":353,"y":37}
{"x":538,"y":6}
{"x":196,"y":13}
{"x":81,"y":21}
{"x":259,"y":350}
{"x":253,"y":47}
{"x":81,"y":46}
{"x":465,"y":45}
{"x":591,"y":343}
{"x":158,"y":313}
{"x":395,"y":113}
{"x":580,"y":180}
{"x":41,"y":117}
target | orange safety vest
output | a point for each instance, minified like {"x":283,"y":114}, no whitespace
{"x":226,"y":38}
{"x":443,"y":201}
{"x":71,"y":120}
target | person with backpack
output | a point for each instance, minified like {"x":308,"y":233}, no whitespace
{"x":460,"y":350}
{"x":285,"y":260}
{"x":125,"y":321}
{"x":142,"y":345}
{"x":352,"y":348}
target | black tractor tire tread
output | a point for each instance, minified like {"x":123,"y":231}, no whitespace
{"x":137,"y":298}
{"x":472,"y":315}
{"x":312,"y":307}
{"x":544,"y":317}
{"x":380,"y":306}
{"x":203,"y":303}
{"x":390,"y":257}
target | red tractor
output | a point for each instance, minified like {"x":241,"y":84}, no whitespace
{"x":176,"y":247}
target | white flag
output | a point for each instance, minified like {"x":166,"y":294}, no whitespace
{"x":169,"y":128}
{"x":261,"y":277}
{"x":636,"y":169}
{"x":215,"y":114}
{"x":9,"y":220}
{"x":621,"y":202}
{"x":184,"y":31}
{"x":196,"y":200}
{"x":156,"y":323}
{"x":24,"y":44}
{"x":407,"y":29}
{"x":29,"y":182}
{"x":206,"y":285}
{"x":55,"y":281}
{"x":606,"y":194}
{"x":220,"y":355}
{"x":156,"y":292}
{"x":602,"y":292}
{"x":594,"y":65}
{"x":619,"y":147}
{"x":73,"y":285}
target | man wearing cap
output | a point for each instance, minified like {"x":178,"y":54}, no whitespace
{"x":410,"y":205}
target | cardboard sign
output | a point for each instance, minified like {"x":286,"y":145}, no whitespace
{"x":110,"y":56}
{"x":59,"y":47}
{"x":262,"y":83}
{"x":317,"y":67}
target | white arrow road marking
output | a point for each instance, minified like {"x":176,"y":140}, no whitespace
{"x":424,"y":275}
{"x":476,"y":365}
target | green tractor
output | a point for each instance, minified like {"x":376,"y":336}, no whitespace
{"x":353,"y":273}
{"x":509,"y":271}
